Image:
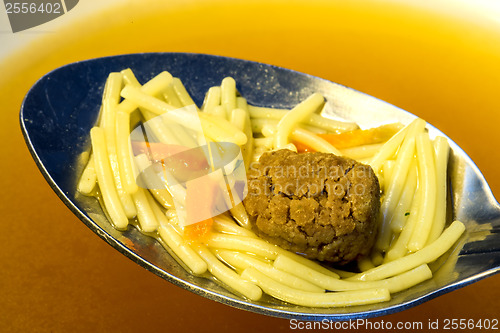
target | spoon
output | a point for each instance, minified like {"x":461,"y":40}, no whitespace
{"x":60,"y":109}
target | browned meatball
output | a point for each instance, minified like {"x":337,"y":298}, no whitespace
{"x":321,"y":205}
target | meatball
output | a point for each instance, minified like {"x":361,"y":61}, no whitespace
{"x":316,"y":204}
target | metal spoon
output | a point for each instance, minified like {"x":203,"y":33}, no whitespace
{"x":63,"y":105}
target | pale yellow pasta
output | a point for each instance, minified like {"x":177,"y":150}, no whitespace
{"x":221,"y":130}
{"x":367,"y":162}
{"x":426,"y":255}
{"x":247,"y":148}
{"x":361,"y":152}
{"x":240,"y":215}
{"x":212,"y":99}
{"x":399,"y":247}
{"x":330,"y":125}
{"x":376,"y":257}
{"x":181,"y":248}
{"x":387,"y":168}
{"x":161,"y":132}
{"x":268,"y":127}
{"x":402,"y":210}
{"x":257,"y":153}
{"x":365,"y":264}
{"x":145,"y":215}
{"x":124,"y":152}
{"x":155,"y":86}
{"x":296,"y":115}
{"x":313,"y":120}
{"x":393,"y":193}
{"x":392,"y":145}
{"x":226,"y":225}
{"x":266,"y":143}
{"x":228,"y":95}
{"x":312,"y":129}
{"x":177,"y":191}
{"x":292,"y":266}
{"x":218,"y":111}
{"x":427,"y":170}
{"x":290,"y":146}
{"x":259,"y":124}
{"x":171,"y":213}
{"x":111,"y":97}
{"x":241,"y":103}
{"x":245,"y":244}
{"x":314,"y":141}
{"x":142,"y":99}
{"x":170,"y":116}
{"x":180,"y":133}
{"x":108,"y":123}
{"x":393,"y":284}
{"x":313,"y":299}
{"x":243,"y":261}
{"x":129,"y":77}
{"x":266,"y":113}
{"x":148,"y":176}
{"x":441,"y":158}
{"x":105,"y":179}
{"x":238,"y":118}
{"x":88,"y":179}
{"x":136,"y":118}
{"x":182,"y":93}
{"x":335,"y":273}
{"x":227,"y":275}
{"x":110,"y":100}
{"x":171,"y":96}
{"x":160,"y":216}
{"x":342,"y":273}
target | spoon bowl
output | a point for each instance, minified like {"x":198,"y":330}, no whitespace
{"x":61,"y":108}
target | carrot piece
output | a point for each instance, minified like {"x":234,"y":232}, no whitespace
{"x":355,"y":138}
{"x":198,"y":231}
{"x":158,"y":150}
{"x":202,"y":201}
{"x":183,"y":162}
{"x":302,"y":147}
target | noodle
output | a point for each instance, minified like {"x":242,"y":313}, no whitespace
{"x":171,"y":97}
{"x":228,"y":95}
{"x":227,"y":275}
{"x":187,"y":255}
{"x":88,"y":179}
{"x":314,"y":141}
{"x":124,"y":152}
{"x":105,"y":179}
{"x":212,"y":99}
{"x":426,"y":168}
{"x":288,"y":121}
{"x":428,"y":254}
{"x":182,"y":93}
{"x":243,"y":261}
{"x":313,"y":299}
{"x":145,"y":216}
{"x":441,"y":150}
{"x":394,"y":189}
{"x":401,"y":212}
